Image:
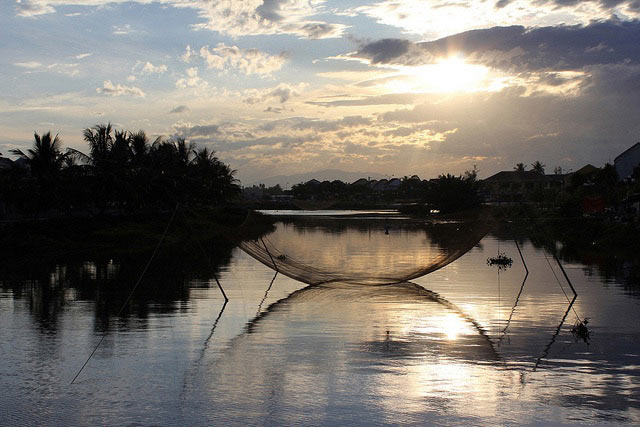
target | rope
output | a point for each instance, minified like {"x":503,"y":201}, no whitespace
{"x":215,"y":276}
{"x":559,"y":284}
{"x":269,"y":253}
{"x":266,"y":293}
{"x":515,"y":304}
{"x":146,"y":267}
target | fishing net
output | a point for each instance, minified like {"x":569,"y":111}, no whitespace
{"x":363,"y":250}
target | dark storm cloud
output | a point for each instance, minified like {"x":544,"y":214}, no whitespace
{"x":521,"y":49}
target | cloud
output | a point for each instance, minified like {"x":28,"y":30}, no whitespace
{"x":519,"y":49}
{"x":387,"y":99}
{"x":282,"y":92}
{"x":438,"y":18}
{"x":33,"y":7}
{"x":257,"y":17}
{"x":148,"y":68}
{"x":180,"y":109}
{"x":82,"y":55}
{"x":32,"y":65}
{"x":275,"y":110}
{"x":191,"y":80}
{"x":121,"y":30}
{"x":108,"y":88}
{"x":69,"y":69}
{"x":316,"y":125}
{"x":189,"y":130}
{"x":233,"y":18}
{"x":188,"y":54}
{"x":247,"y":61}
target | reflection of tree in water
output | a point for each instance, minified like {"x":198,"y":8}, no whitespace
{"x":50,"y":285}
{"x":440,"y":233}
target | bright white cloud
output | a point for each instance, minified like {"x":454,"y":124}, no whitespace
{"x":235,"y":18}
{"x":69,"y":69}
{"x":142,"y":68}
{"x":108,"y":88}
{"x":238,"y":18}
{"x":188,"y":54}
{"x":439,"y":18}
{"x":32,"y":65}
{"x":191,"y":80}
{"x":248,"y":61}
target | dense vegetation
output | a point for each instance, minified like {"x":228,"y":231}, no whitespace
{"x":122,"y":172}
{"x":447,"y":193}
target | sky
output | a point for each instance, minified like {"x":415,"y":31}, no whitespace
{"x":277,"y":87}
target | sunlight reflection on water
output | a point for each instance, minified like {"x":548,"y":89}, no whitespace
{"x":452,"y":347}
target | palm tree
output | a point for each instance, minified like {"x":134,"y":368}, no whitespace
{"x":45,"y":160}
{"x":139,"y":148}
{"x":538,"y":167}
{"x":100,"y":140}
{"x":184,"y":150}
{"x":215,"y":178}
{"x":520,"y":167}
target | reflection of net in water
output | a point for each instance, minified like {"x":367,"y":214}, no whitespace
{"x":363,"y":251}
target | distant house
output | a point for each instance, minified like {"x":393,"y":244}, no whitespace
{"x":627,"y":161}
{"x":583,"y":176}
{"x":517,"y":186}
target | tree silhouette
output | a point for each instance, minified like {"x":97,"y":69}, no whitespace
{"x":538,"y":167}
{"x":45,"y":160}
{"x":520,"y":167}
{"x":122,"y":171}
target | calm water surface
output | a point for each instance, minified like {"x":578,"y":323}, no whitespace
{"x":465,"y":344}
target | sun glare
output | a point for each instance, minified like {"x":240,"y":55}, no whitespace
{"x":452,"y":325}
{"x":451,"y":74}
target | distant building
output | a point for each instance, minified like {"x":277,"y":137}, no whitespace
{"x":518,"y":186}
{"x":627,"y":161}
{"x":583,"y":176}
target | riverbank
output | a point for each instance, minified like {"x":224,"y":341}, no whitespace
{"x":123,"y":234}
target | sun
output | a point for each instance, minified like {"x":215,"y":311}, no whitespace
{"x":451,"y":74}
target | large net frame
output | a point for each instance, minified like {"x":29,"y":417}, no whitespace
{"x":364,"y":251}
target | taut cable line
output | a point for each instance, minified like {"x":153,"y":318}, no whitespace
{"x":146,"y":267}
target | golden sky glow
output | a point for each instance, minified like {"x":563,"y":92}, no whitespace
{"x":396,"y":87}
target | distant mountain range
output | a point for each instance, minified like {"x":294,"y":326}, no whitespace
{"x":321,"y":175}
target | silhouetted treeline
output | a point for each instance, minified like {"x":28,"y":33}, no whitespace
{"x":447,"y":193}
{"x":122,"y":171}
